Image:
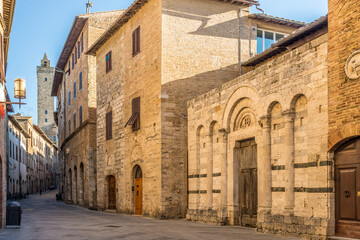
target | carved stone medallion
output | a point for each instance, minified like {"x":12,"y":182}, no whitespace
{"x":352,"y":66}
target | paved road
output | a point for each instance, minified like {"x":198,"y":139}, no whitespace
{"x":46,"y":219}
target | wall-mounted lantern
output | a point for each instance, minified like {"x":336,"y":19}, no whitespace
{"x":19,"y":91}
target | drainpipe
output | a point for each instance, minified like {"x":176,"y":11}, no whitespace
{"x":256,"y":4}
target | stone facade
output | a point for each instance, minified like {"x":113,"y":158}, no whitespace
{"x":39,"y":159}
{"x":281,"y":105}
{"x":45,"y":78}
{"x":7,"y":8}
{"x":76,"y":110}
{"x":187,"y":48}
{"x":344,"y":117}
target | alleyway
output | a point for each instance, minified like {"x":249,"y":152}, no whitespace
{"x":46,"y":219}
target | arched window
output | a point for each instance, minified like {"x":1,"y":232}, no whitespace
{"x":80,"y":81}
{"x":45,"y":79}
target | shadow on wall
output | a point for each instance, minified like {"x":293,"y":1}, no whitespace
{"x":201,"y":13}
{"x":186,"y":89}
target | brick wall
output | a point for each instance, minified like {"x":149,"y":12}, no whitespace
{"x":344,"y":100}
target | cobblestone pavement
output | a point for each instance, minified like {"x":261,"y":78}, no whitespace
{"x":45,"y":219}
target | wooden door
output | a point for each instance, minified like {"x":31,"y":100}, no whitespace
{"x":138,"y":196}
{"x":112,"y":192}
{"x":347,"y":200}
{"x":247,"y":154}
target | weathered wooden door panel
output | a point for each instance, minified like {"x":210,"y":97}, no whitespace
{"x":138,"y":196}
{"x":112,"y":192}
{"x":347,"y":170}
{"x":247,"y":154}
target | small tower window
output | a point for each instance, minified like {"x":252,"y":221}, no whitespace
{"x":46,"y":112}
{"x":45,"y":79}
{"x":80,"y":81}
{"x":74,"y":90}
{"x":45,"y":119}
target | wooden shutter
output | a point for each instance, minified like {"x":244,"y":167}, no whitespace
{"x":136,"y":112}
{"x":138,"y":40}
{"x":109,"y":125}
{"x":82,"y":42}
{"x":110,"y":62}
{"x":134,"y":41}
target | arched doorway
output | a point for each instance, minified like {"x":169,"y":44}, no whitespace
{"x":70,"y":185}
{"x":111,"y":192}
{"x":81,"y":191}
{"x":138,"y":190}
{"x":347,"y":185}
{"x":75,"y":188}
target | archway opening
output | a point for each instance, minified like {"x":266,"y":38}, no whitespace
{"x":347,"y":189}
{"x":81,"y":190}
{"x":111,"y":192}
{"x":138,"y":190}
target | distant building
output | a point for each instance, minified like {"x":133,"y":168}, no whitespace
{"x":45,"y":78}
{"x":7,"y":8}
{"x":75,"y":89}
{"x":39,"y":157}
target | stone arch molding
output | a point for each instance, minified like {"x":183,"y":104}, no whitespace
{"x":243,"y":92}
{"x":342,"y":135}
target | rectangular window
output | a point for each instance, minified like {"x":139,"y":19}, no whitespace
{"x":74,"y":90}
{"x":108,"y":62}
{"x":109,"y":125}
{"x":82,"y":42}
{"x":136,"y":41}
{"x":69,"y":68}
{"x":17,"y":154}
{"x":80,"y":81}
{"x":78,"y":48}
{"x":10,"y":150}
{"x":74,"y":119}
{"x":72,"y":62}
{"x":266,"y":38}
{"x":134,"y":120}
{"x":80,"y":115}
{"x":69,"y":122}
{"x":75,"y":54}
{"x":69,"y":100}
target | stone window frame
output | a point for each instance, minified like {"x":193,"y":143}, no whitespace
{"x":46,"y":120}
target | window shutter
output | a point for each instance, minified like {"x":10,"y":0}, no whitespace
{"x":134,"y":42}
{"x":110,"y":62}
{"x":109,"y":125}
{"x":138,"y":40}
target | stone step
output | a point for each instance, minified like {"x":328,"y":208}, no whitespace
{"x":341,"y":238}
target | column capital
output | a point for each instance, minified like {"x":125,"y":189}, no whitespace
{"x":265,"y":121}
{"x":288,"y":115}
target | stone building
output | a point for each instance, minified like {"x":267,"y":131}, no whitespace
{"x":155,"y":57}
{"x":75,"y":87}
{"x":7,"y":8}
{"x":40,"y":157}
{"x":17,"y":159}
{"x":344,"y":117}
{"x":45,"y":78}
{"x":258,"y":144}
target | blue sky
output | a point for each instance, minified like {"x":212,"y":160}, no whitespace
{"x":42,"y":26}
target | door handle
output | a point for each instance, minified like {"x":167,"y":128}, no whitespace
{"x":347,"y":193}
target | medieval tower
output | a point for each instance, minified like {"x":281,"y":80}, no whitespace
{"x":45,"y":77}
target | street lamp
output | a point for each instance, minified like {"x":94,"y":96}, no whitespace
{"x":19,"y":91}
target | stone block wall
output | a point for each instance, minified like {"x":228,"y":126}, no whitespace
{"x":282,"y":97}
{"x":131,"y":77}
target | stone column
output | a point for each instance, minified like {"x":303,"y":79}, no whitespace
{"x":289,"y":161}
{"x":264,"y":163}
{"x":223,"y":145}
{"x":209,"y":170}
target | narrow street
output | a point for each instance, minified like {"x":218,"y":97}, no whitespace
{"x":46,"y":219}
